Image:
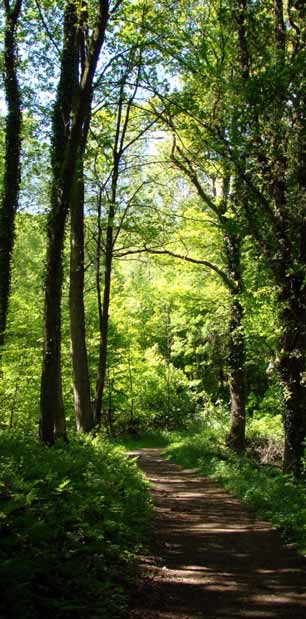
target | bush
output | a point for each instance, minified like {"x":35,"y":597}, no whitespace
{"x":265,"y":438}
{"x":71,"y":517}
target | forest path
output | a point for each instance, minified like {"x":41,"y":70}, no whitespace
{"x":212,"y":559}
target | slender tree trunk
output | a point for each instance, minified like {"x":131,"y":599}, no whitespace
{"x":131,"y":391}
{"x":110,"y":407}
{"x":236,"y":361}
{"x":98,"y":261}
{"x":104,"y":316}
{"x":11,"y":179}
{"x":109,"y":249}
{"x":118,"y":150}
{"x":236,"y":356}
{"x":81,"y":384}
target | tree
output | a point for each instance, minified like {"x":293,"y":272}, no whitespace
{"x":258,"y":76}
{"x":272,"y":107}
{"x":11,"y":177}
{"x":222,"y":208}
{"x":70,"y":115}
{"x":121,"y":143}
{"x":118,"y":98}
{"x":81,"y":383}
{"x":117,"y":177}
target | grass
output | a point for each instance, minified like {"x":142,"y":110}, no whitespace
{"x":147,"y":440}
{"x":71,"y":519}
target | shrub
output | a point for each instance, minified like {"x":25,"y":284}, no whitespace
{"x":71,"y":517}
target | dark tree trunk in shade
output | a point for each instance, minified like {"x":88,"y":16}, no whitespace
{"x":11,"y":177}
{"x":52,"y":422}
{"x":81,"y":384}
{"x":104,"y":316}
{"x":236,"y":361}
{"x":277,"y":217}
{"x":108,"y":262}
{"x":80,"y":372}
{"x":76,"y":97}
{"x":292,"y":367}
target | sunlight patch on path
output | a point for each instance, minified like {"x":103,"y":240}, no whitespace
{"x":212,"y":559}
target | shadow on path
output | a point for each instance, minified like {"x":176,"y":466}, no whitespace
{"x":212,"y":559}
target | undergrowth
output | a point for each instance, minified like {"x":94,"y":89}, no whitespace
{"x":71,"y":519}
{"x":264,"y":488}
{"x":149,"y":439}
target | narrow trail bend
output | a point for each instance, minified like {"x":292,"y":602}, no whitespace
{"x":211,"y":558}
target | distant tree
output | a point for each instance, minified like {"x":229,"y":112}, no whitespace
{"x":222,"y":209}
{"x":117,"y":197}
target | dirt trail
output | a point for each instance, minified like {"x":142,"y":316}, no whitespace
{"x":212,"y":559}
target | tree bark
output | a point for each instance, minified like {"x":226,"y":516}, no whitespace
{"x":104,"y":318}
{"x":67,"y":151}
{"x":81,"y":384}
{"x":236,"y":355}
{"x":282,"y":236}
{"x":236,"y":361}
{"x":292,"y":366}
{"x":52,"y":422}
{"x":11,"y":179}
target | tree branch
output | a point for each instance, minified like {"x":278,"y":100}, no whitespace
{"x":45,"y":25}
{"x":166,"y":252}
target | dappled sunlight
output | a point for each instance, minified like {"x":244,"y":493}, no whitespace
{"x":212,"y":558}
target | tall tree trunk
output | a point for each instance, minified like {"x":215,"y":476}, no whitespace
{"x":236,"y":361}
{"x":67,"y":151}
{"x":104,"y":317}
{"x":11,"y":179}
{"x":109,"y":249}
{"x":81,"y":384}
{"x":52,"y":422}
{"x":292,"y":365}
{"x":236,"y":356}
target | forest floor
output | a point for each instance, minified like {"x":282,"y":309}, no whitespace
{"x":211,"y":558}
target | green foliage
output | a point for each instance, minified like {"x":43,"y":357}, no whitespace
{"x":160,"y":438}
{"x":273,"y":495}
{"x":265,"y":426}
{"x":168,"y":338}
{"x":71,"y":518}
